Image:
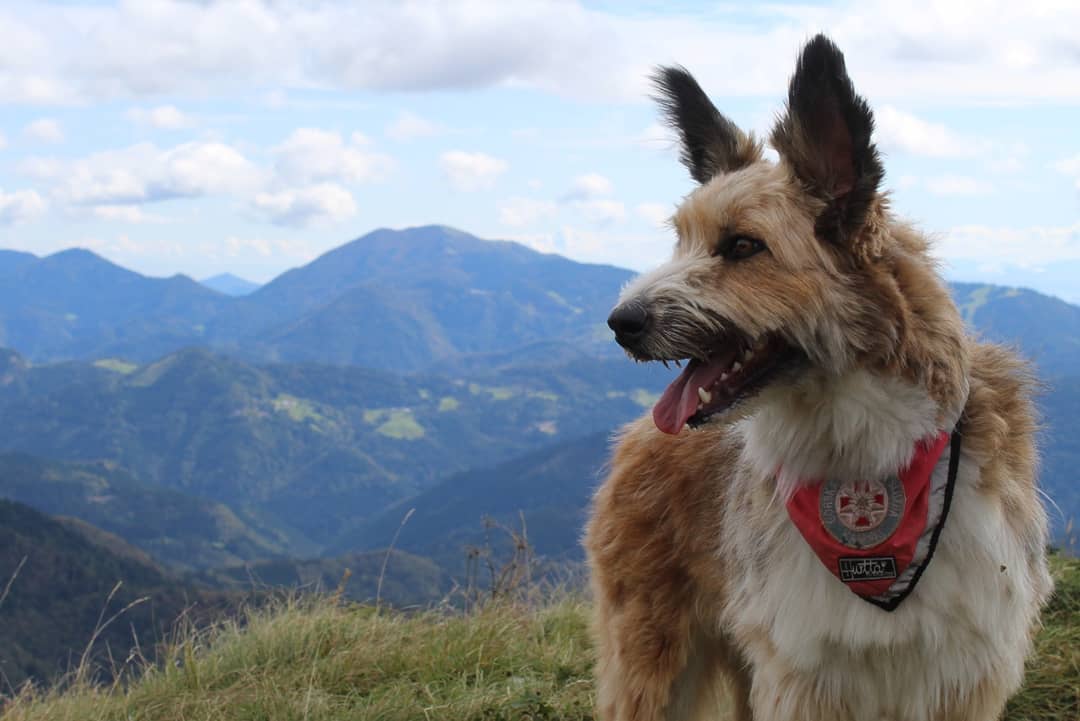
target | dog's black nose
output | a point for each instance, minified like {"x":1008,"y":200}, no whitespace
{"x":629,"y":321}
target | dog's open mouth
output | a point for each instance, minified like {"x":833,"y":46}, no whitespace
{"x":735,"y":369}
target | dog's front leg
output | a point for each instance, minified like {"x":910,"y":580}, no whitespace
{"x":644,"y":667}
{"x":648,"y":669}
{"x":655,"y":660}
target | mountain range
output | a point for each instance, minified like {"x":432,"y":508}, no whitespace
{"x":395,"y":300}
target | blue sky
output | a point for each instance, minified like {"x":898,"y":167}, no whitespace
{"x":252,"y":136}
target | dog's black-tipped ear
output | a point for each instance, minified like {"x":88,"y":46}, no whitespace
{"x":824,"y":136}
{"x":711,"y":144}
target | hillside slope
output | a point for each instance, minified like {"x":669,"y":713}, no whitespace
{"x":60,"y":581}
{"x":177,"y":529}
{"x":302,"y":449}
{"x":1046,"y":329}
{"x":551,"y":487}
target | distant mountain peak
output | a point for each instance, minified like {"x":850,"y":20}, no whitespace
{"x":76,"y":254}
{"x":230,"y":284}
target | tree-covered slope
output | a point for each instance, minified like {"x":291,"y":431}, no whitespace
{"x":61,"y":589}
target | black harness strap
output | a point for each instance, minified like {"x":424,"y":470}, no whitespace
{"x":950,"y":484}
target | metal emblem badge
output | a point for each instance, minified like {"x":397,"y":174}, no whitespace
{"x":862,"y":514}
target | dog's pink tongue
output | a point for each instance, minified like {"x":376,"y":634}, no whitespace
{"x":680,"y":399}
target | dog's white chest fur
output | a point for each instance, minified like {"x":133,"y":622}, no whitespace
{"x":966,"y":620}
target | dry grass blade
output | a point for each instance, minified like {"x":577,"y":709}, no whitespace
{"x":11,"y":581}
{"x":82,"y":671}
{"x":386,"y":558}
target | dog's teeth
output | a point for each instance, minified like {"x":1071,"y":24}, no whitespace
{"x":704,"y":395}
{"x":747,"y":355}
{"x":736,"y":367}
{"x":723,"y":376}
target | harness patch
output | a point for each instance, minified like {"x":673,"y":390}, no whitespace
{"x":877,"y":535}
{"x":867,"y":569}
{"x":862,"y":514}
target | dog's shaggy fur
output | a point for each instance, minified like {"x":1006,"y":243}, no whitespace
{"x":706,"y":594}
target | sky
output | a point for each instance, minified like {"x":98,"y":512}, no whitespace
{"x":252,"y":136}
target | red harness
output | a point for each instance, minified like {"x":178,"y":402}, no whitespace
{"x":878,"y":536}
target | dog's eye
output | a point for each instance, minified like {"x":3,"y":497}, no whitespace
{"x":739,"y":247}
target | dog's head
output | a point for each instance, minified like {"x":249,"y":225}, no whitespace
{"x":779,"y":267}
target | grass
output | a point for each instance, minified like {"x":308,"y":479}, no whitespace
{"x":1052,"y":686}
{"x":397,"y":423}
{"x":316,"y":660}
{"x":496,"y":393}
{"x":974,"y":301}
{"x":116,"y":365}
{"x":298,"y":409}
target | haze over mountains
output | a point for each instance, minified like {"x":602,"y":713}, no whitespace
{"x":285,"y":433}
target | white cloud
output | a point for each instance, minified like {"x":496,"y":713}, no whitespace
{"x":20,"y":206}
{"x":636,"y":250}
{"x":145,"y":173}
{"x":658,"y":135}
{"x":312,"y":155}
{"x":162,"y":117}
{"x":471,"y":171}
{"x":588,"y":186}
{"x":275,"y":99}
{"x":958,"y":185}
{"x":517,"y":212}
{"x":409,"y":125}
{"x":588,"y":194}
{"x":44,"y":130}
{"x":1070,"y":167}
{"x":601,"y":212}
{"x":898,"y":130}
{"x":996,"y":50}
{"x":124,"y":214}
{"x":313,"y":205}
{"x":234,"y":247}
{"x":656,"y":214}
{"x":1024,"y":247}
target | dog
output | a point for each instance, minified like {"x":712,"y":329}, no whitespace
{"x":832,"y":513}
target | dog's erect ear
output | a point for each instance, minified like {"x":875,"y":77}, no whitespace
{"x":824,"y":136}
{"x":711,"y":144}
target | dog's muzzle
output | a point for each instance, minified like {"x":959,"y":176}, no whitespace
{"x":631,"y":322}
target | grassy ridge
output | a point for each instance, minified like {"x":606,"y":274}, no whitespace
{"x":320,"y":661}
